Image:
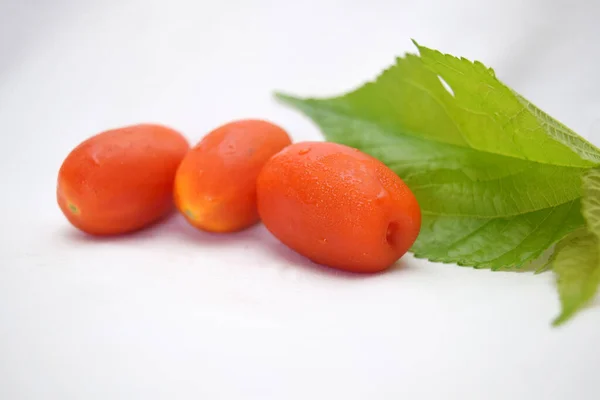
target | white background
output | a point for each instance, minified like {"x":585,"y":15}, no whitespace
{"x":172,"y":313}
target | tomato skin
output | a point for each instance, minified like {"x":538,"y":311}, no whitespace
{"x":338,"y":206}
{"x":120,"y":180}
{"x":215,"y":185}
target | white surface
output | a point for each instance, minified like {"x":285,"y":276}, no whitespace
{"x":172,"y":313}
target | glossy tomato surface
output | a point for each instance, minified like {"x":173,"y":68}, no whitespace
{"x":121,"y":180}
{"x":338,"y":206}
{"x":215,"y":187}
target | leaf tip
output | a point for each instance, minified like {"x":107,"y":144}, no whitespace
{"x":567,"y":313}
{"x":544,"y":268}
{"x":418,"y":46}
{"x":562,"y":318}
{"x":288,"y":99}
{"x":281,"y":96}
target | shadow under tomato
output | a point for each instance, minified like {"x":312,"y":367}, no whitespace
{"x":179,"y":228}
{"x":172,"y":226}
{"x":296,"y":260}
{"x":147,"y":233}
{"x":175,"y":227}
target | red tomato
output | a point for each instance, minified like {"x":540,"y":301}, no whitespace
{"x":215,"y":186}
{"x":121,"y":180}
{"x":338,"y":206}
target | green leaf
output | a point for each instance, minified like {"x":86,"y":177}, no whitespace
{"x":577,"y":269}
{"x":512,"y":125}
{"x":576,"y":261}
{"x":498,"y":180}
{"x":496,"y":243}
{"x":561,"y":133}
{"x":591,"y":200}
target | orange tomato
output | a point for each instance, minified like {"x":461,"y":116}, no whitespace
{"x":338,"y":206}
{"x":121,"y":180}
{"x":215,"y":185}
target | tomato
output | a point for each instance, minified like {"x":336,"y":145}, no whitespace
{"x":121,"y":180}
{"x":215,"y":185}
{"x":338,"y":206}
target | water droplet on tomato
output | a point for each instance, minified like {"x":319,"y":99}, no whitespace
{"x":304,"y":151}
{"x":382,"y":194}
